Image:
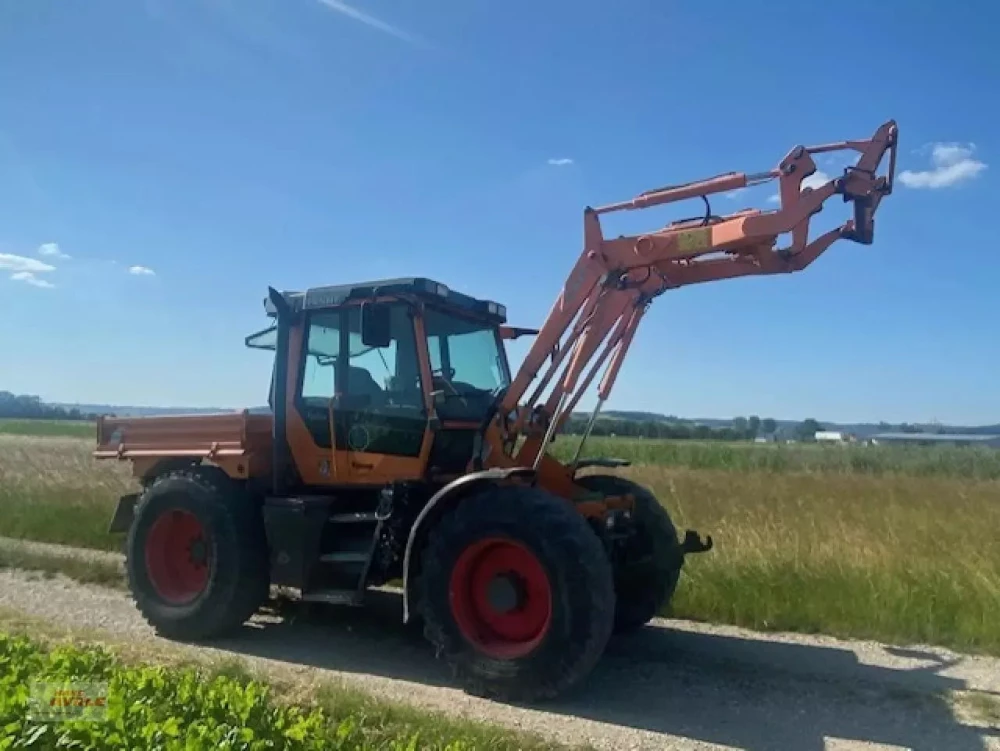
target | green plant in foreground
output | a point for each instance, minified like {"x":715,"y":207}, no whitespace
{"x":148,"y":707}
{"x":161,"y":707}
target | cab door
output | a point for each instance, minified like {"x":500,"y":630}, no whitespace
{"x":379,"y":414}
{"x":319,"y":382}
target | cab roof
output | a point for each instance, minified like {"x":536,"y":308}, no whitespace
{"x":420,"y":287}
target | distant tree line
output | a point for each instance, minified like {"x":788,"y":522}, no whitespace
{"x":741,"y":429}
{"x":25,"y":407}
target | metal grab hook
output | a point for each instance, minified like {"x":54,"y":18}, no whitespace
{"x":693,"y":543}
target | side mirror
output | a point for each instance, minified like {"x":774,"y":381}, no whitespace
{"x":376,"y":325}
{"x":513,"y":332}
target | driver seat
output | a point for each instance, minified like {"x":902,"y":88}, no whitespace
{"x":361,"y":383}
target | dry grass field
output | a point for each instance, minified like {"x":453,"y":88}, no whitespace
{"x":51,"y":490}
{"x":896,"y":558}
{"x":51,"y":428}
{"x":966,"y":463}
{"x":902,"y":553}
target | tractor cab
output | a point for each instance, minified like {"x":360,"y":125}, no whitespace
{"x":401,"y":369}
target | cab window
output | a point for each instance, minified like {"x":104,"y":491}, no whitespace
{"x":375,"y":392}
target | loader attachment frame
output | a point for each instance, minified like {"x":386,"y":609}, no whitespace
{"x":596,"y":315}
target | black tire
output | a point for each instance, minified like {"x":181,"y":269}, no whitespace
{"x":647,"y":579}
{"x":577,"y":574}
{"x":236,"y":577}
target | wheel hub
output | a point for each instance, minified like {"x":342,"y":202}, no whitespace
{"x":177,"y":556}
{"x":198,"y":551}
{"x":505,"y":593}
{"x":501,"y":597}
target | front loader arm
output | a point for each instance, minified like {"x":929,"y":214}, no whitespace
{"x":613,"y":282}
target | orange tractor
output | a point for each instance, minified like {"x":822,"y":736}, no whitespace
{"x":399,"y":447}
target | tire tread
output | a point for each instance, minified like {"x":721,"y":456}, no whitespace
{"x":583,"y":563}
{"x":637,"y":605}
{"x":246,"y":586}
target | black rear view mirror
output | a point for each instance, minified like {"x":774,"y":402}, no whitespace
{"x":376,"y":328}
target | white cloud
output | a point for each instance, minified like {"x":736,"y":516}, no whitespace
{"x":17,"y":264}
{"x":51,"y":250}
{"x":141,"y":271}
{"x":563,"y":162}
{"x":951,"y":164}
{"x":28,"y":278}
{"x":837,"y":160}
{"x":734,"y":194}
{"x":816,"y":180}
{"x":375,"y":23}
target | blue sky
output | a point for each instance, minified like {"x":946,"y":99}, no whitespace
{"x":163,"y":161}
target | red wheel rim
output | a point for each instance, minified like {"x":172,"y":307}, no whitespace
{"x":177,"y":556}
{"x":501,"y":598}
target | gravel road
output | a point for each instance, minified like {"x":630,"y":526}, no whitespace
{"x":674,"y":685}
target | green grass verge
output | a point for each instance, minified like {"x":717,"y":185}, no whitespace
{"x":81,"y":569}
{"x":175,"y":706}
{"x":899,"y":559}
{"x":52,"y":490}
{"x":982,"y":707}
{"x":919,"y":605}
{"x":50,"y":428}
{"x":961,"y":462}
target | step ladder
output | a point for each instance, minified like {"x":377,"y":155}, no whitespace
{"x":352,"y":562}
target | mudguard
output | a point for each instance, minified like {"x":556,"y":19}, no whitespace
{"x":124,"y":513}
{"x":437,"y":505}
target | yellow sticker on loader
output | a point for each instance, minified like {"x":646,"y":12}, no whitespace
{"x":694,"y":239}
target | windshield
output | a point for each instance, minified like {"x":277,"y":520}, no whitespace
{"x":467,"y":363}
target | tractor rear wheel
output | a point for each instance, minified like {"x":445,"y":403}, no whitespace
{"x":646,"y":576}
{"x":516,"y":593}
{"x":196,"y":555}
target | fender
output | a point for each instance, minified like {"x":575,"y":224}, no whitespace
{"x":443,"y":499}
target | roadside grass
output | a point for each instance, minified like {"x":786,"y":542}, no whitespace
{"x":894,"y":558}
{"x":78,"y":569}
{"x":981,"y":707}
{"x":905,"y":558}
{"x":52,"y":490}
{"x":163,"y":699}
{"x":51,"y":428}
{"x":960,"y":462}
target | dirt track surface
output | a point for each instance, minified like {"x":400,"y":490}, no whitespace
{"x":673,"y":685}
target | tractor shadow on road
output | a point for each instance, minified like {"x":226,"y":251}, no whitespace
{"x":767,"y":694}
{"x":747,"y":693}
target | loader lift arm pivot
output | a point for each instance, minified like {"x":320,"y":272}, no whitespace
{"x":615,"y":280}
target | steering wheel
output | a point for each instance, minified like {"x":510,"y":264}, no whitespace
{"x":437,"y":374}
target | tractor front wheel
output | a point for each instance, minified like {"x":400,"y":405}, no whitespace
{"x":516,"y":593}
{"x":196,"y":556}
{"x":647,"y":573}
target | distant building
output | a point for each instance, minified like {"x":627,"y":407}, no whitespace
{"x":927,"y":439}
{"x":833,"y":436}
